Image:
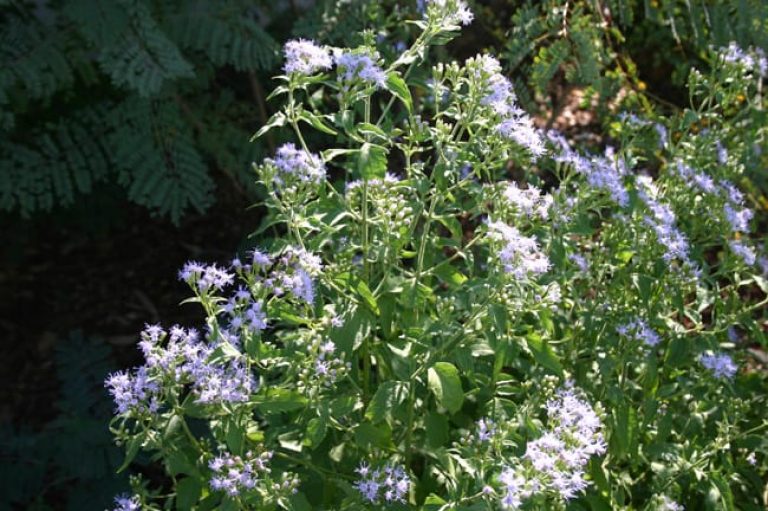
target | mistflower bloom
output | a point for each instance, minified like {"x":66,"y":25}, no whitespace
{"x":529,"y":201}
{"x":662,"y":220}
{"x":601,"y":172}
{"x":135,"y":392}
{"x":388,"y":484}
{"x":580,"y":261}
{"x":667,"y":504}
{"x":742,"y":250}
{"x":354,"y":66}
{"x":556,"y":461}
{"x":638,"y":329}
{"x":753,"y":59}
{"x":721,"y":365}
{"x":296,"y":165}
{"x":305,"y":57}
{"x":739,"y":219}
{"x":485,"y":430}
{"x":451,"y":12}
{"x":235,"y":475}
{"x":127,"y":503}
{"x":219,"y":384}
{"x":520,"y":255}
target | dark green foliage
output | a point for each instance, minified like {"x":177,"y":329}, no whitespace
{"x":607,"y":46}
{"x":73,"y":456}
{"x":102,"y":91}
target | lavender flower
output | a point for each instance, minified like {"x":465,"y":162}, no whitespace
{"x":667,"y":504}
{"x":739,"y":219}
{"x":602,"y":172}
{"x":295,"y":165}
{"x":447,"y":12}
{"x":127,"y":503}
{"x":305,"y":57}
{"x":134,"y":393}
{"x":389,"y":484}
{"x":753,"y":59}
{"x":662,"y":221}
{"x":205,"y":278}
{"x":580,"y":261}
{"x":486,"y":429}
{"x":720,"y":364}
{"x":353,"y":66}
{"x":639,"y":330}
{"x":219,"y":384}
{"x":235,"y":475}
{"x":520,"y":255}
{"x":556,"y":461}
{"x":529,"y":201}
{"x":742,"y":250}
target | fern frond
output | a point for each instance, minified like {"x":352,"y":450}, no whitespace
{"x":156,"y":157}
{"x":226,"y":35}
{"x":143,"y":58}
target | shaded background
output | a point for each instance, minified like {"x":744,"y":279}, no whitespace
{"x":124,"y":152}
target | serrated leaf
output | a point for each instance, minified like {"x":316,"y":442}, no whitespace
{"x":444,"y":382}
{"x":372,"y":162}
{"x":544,"y":354}
{"x":397,"y":86}
{"x":387,"y":397}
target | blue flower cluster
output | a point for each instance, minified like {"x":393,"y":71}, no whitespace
{"x":388,"y":484}
{"x":721,"y":365}
{"x":556,"y":461}
{"x":356,"y":66}
{"x":639,"y":330}
{"x":295,"y":166}
{"x":520,"y":255}
{"x":604,"y":172}
{"x":179,"y":357}
{"x":127,"y":503}
{"x":498,"y":94}
{"x":235,"y":475}
{"x":305,"y":57}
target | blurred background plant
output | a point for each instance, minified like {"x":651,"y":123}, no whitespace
{"x":124,"y":150}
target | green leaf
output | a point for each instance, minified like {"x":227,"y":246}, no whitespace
{"x":624,"y":431}
{"x":371,"y":130}
{"x":437,"y":428}
{"x":445,"y":384}
{"x":368,"y":299}
{"x":279,"y":400}
{"x":368,"y":435}
{"x":330,"y":154}
{"x":317,"y":427}
{"x":544,"y":354}
{"x":225,"y":351}
{"x":373,"y":161}
{"x":132,"y":450}
{"x":397,"y":86}
{"x":188,"y":491}
{"x":275,"y":121}
{"x":387,"y":397}
{"x":316,"y":122}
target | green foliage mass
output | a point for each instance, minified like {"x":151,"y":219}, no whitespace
{"x":129,"y":92}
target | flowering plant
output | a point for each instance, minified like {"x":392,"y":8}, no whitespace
{"x":424,"y":332}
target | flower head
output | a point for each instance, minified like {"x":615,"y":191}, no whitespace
{"x":720,"y":364}
{"x":305,"y":57}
